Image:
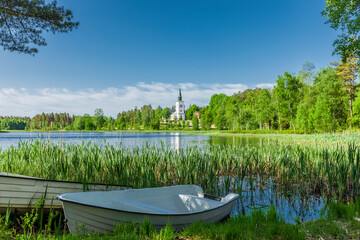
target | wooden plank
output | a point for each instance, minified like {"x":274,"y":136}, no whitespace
{"x":17,"y":181}
{"x":25,"y":202}
{"x":24,"y":191}
{"x":36,"y":188}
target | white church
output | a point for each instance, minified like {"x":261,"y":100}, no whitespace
{"x":179,"y":113}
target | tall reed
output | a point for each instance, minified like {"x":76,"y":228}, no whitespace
{"x":327,"y":171}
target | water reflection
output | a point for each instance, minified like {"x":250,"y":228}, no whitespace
{"x":289,"y":206}
{"x":239,"y":140}
{"x":175,"y":140}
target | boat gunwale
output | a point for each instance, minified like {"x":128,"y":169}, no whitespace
{"x":61,"y":181}
{"x":59,"y":197}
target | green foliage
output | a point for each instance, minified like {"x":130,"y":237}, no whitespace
{"x":165,"y":113}
{"x":338,"y":210}
{"x":195,"y":123}
{"x":79,"y":123}
{"x":305,"y":103}
{"x":166,"y":233}
{"x":331,"y":107}
{"x":206,"y":118}
{"x":146,"y":114}
{"x":146,"y":227}
{"x":287,"y":92}
{"x":50,"y":121}
{"x":121,"y":124}
{"x":13,"y":123}
{"x":258,"y":225}
{"x":23,"y":22}
{"x":126,"y":231}
{"x":328,"y":171}
{"x":155,"y":124}
{"x":341,"y":222}
{"x":5,"y":230}
{"x":264,"y":108}
{"x":220,"y":119}
{"x":305,"y":113}
{"x":99,"y":119}
{"x":324,"y":227}
{"x":28,"y":223}
{"x":304,"y":116}
{"x":344,"y":15}
{"x":356,"y":108}
{"x":89,"y":124}
{"x":191,"y":111}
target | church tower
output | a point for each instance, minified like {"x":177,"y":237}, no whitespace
{"x":180,"y":107}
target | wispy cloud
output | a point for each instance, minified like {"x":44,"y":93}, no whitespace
{"x":26,"y":102}
{"x":265,"y":85}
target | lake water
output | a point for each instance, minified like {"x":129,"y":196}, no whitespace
{"x":289,"y":208}
{"x":175,"y":140}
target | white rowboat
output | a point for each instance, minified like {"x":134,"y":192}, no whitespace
{"x":22,"y":192}
{"x":180,"y":205}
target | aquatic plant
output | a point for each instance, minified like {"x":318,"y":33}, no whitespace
{"x":326,"y":171}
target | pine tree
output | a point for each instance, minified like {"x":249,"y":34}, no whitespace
{"x":22,"y":23}
{"x":348,"y":72}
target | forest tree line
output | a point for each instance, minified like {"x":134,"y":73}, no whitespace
{"x":309,"y":101}
{"x":324,"y":101}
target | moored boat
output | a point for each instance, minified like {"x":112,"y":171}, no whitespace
{"x":22,"y":192}
{"x":180,"y":205}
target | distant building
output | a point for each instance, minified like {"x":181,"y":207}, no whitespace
{"x":179,"y":113}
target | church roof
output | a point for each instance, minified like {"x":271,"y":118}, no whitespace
{"x":180,"y":97}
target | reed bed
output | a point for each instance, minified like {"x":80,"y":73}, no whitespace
{"x":324,"y":171}
{"x":319,"y":139}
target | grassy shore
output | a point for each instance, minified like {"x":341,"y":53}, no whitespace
{"x":340,"y":221}
{"x":330,"y":171}
{"x":326,"y":165}
{"x":216,"y":132}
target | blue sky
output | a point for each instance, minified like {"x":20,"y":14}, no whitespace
{"x":129,"y":53}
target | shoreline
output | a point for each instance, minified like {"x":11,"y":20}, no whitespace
{"x":199,"y":132}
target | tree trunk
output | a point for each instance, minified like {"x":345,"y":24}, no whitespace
{"x":279,"y":120}
{"x":350,"y":99}
{"x":334,"y":121}
{"x":292,"y":121}
{"x":352,"y":84}
{"x":351,"y":108}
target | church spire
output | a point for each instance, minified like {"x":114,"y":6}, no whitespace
{"x":180,"y":97}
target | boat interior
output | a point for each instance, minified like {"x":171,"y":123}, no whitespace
{"x":180,"y":199}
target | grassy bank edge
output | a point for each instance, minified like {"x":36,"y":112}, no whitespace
{"x":341,"y":221}
{"x":199,"y":132}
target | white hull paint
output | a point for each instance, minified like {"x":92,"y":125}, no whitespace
{"x":22,"y":192}
{"x":176,"y":204}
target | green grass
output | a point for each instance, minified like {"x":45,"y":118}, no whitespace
{"x":326,"y":165}
{"x":340,"y":222}
{"x":328,"y":171}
